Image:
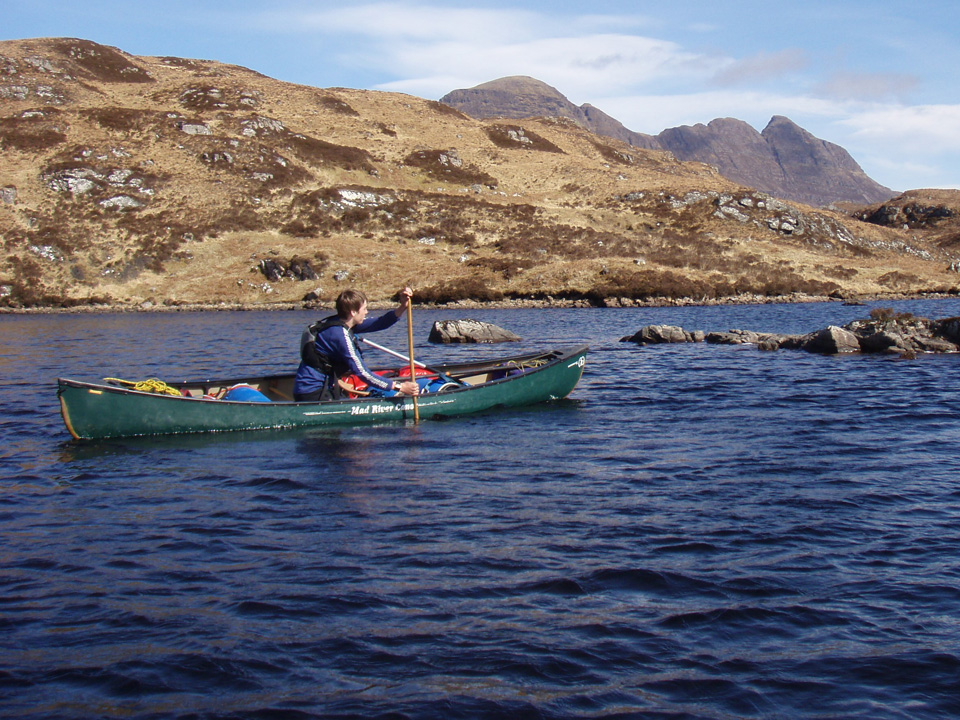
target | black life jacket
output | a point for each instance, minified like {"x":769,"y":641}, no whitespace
{"x":333,"y":368}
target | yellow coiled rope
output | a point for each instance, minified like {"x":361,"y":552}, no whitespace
{"x":526,"y":364}
{"x":151,"y":385}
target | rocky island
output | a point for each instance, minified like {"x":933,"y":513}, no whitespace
{"x":885,"y":331}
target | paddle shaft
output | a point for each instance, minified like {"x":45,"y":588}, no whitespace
{"x":413,"y":372}
{"x":399,"y":356}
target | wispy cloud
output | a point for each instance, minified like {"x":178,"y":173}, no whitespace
{"x":762,"y":67}
{"x":398,"y":21}
{"x":868,"y":86}
{"x":613,"y":23}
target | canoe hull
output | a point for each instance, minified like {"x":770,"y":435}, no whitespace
{"x":94,"y":411}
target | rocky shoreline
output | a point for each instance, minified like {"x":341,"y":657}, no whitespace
{"x":516,"y":303}
{"x":884,"y":332}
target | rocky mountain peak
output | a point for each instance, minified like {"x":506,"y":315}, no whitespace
{"x":521,"y":84}
{"x":522,"y":97}
{"x":517,"y":97}
{"x":784,"y":160}
{"x":782,"y":120}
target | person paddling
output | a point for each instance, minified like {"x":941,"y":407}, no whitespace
{"x":329,"y":350}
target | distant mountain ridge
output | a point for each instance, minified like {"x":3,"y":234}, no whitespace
{"x":784,"y":159}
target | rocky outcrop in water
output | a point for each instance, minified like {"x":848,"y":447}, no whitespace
{"x":661,"y":334}
{"x":885,"y":331}
{"x":469,"y":331}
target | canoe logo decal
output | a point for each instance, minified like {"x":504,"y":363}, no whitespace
{"x":376,"y":409}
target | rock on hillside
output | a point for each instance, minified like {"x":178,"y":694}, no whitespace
{"x":784,"y":160}
{"x":932,"y":214}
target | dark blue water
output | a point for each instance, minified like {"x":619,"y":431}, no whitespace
{"x":698,"y":531}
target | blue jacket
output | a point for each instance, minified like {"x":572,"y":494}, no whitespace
{"x":338,"y":344}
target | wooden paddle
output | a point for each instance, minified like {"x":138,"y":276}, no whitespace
{"x":413,"y":369}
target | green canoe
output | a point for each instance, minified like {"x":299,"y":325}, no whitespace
{"x":115,"y":408}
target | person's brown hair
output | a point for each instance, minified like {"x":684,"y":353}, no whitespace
{"x":349,"y":301}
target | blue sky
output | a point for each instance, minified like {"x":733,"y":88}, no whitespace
{"x":874,"y":76}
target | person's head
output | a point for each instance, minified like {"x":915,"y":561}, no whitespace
{"x":350,"y":302}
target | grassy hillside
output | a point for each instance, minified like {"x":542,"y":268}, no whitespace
{"x":164,"y":181}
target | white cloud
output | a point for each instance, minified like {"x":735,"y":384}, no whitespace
{"x":425,"y":45}
{"x":925,"y":130}
{"x":904,"y":173}
{"x":906,"y":147}
{"x":580,"y":67}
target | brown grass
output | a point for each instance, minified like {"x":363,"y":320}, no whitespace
{"x":99,"y":62}
{"x":443,"y":165}
{"x":898,"y":280}
{"x":320,"y":152}
{"x":441,"y":109}
{"x":611,"y":154}
{"x":467,"y":288}
{"x":209,"y":98}
{"x":515,"y":137}
{"x":118,"y":119}
{"x":336,"y":105}
{"x":28,"y":135}
{"x":656,"y":283}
